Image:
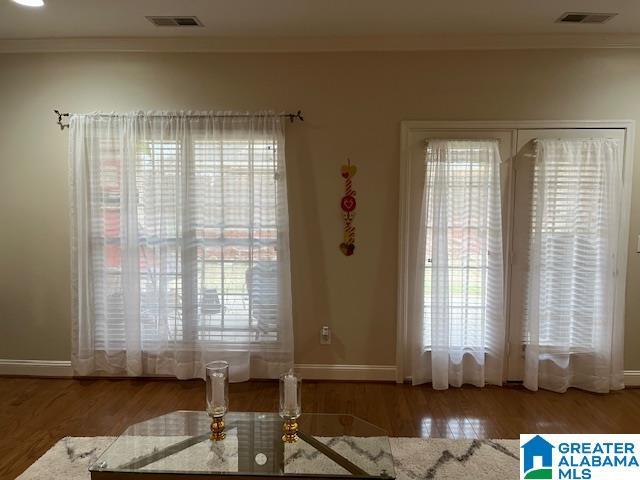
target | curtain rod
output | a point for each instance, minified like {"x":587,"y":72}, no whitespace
{"x":486,"y":139}
{"x":290,"y":116}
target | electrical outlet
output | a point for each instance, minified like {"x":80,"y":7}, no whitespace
{"x":325,"y":335}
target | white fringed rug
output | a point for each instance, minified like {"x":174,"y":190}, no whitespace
{"x":415,"y":458}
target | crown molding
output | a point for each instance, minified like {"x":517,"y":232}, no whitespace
{"x":320,"y":44}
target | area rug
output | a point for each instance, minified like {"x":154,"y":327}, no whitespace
{"x":415,"y":458}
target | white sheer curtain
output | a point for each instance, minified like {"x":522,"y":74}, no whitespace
{"x":458,"y":323}
{"x":180,"y":244}
{"x":573,"y":335}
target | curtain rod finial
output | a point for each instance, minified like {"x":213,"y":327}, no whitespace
{"x":298,"y":115}
{"x":59,"y":122}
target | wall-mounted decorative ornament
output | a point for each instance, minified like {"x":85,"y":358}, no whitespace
{"x":348,"y":206}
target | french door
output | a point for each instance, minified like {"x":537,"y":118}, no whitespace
{"x":517,"y":148}
{"x":520,"y":257}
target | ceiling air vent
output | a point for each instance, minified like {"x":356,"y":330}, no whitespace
{"x":584,"y":17}
{"x":175,"y":21}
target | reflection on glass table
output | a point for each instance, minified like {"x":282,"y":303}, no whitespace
{"x":177,"y":445}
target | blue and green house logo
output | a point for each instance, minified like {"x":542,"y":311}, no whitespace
{"x":540,"y":448}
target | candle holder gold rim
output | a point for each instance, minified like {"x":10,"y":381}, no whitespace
{"x":290,"y":430}
{"x":217,"y":429}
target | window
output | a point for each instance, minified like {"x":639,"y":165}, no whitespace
{"x":181,"y":244}
{"x":231,"y":228}
{"x":236,"y":237}
{"x":462,"y":188}
{"x":158,"y":176}
{"x":573,"y":211}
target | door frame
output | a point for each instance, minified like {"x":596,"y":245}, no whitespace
{"x":411,"y":128}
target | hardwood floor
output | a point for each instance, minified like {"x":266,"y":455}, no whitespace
{"x":35,"y":413}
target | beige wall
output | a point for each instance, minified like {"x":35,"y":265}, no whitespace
{"x":353,"y":104}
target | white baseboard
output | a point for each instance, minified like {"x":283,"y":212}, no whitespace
{"x":387,"y":373}
{"x":632,"y":378}
{"x":373,"y":373}
{"x":38,"y":368}
{"x":62,"y":368}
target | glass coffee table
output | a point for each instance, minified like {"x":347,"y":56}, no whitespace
{"x":177,"y":446}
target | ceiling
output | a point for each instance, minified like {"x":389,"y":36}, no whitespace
{"x":318,"y":18}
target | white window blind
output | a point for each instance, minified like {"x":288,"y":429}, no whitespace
{"x":235,"y":193}
{"x":463,"y":227}
{"x":572,"y":263}
{"x":158,"y":176}
{"x":232,"y":202}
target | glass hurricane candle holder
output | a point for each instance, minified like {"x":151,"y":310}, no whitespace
{"x":290,"y":396}
{"x":290,"y":408}
{"x":217,"y":396}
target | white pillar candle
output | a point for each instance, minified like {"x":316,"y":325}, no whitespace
{"x":217,"y":392}
{"x":290,"y":393}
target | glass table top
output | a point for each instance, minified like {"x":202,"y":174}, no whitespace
{"x":178,"y":443}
